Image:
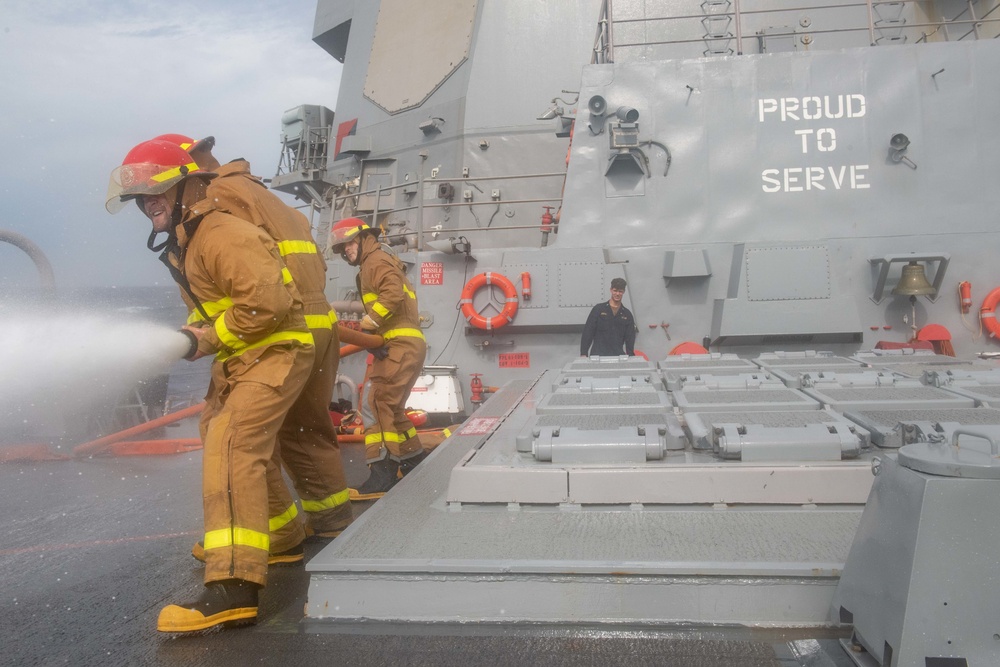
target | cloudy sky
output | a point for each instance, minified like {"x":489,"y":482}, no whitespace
{"x":83,"y":82}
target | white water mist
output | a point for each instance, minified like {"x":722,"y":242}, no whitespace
{"x":75,"y":361}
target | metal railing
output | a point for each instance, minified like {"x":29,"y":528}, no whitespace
{"x":420,"y":206}
{"x":605,"y":45}
{"x":307,"y":153}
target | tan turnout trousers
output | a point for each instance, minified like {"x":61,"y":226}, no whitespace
{"x":249,"y":399}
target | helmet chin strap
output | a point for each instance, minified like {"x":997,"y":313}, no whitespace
{"x":175,"y":219}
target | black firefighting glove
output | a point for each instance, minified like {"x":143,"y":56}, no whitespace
{"x":380,"y":353}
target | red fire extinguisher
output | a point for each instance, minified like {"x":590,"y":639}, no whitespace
{"x":965,"y":291}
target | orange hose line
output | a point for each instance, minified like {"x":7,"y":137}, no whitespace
{"x":346,"y":350}
{"x":154,"y":447}
{"x":359,"y":338}
{"x":94,"y":446}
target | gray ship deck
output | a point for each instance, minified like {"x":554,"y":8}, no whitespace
{"x":417,"y":557}
{"x":92,"y":549}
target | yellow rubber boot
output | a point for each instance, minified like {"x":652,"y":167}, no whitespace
{"x":227,"y":603}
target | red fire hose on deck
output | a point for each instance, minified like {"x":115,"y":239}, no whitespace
{"x":95,"y":446}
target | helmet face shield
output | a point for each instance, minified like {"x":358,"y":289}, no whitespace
{"x":151,"y":168}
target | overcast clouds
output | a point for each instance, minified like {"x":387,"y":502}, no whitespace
{"x":81,"y":83}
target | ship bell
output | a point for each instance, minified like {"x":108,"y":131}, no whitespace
{"x":913,"y":282}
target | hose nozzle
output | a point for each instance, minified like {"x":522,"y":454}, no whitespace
{"x":193,"y":349}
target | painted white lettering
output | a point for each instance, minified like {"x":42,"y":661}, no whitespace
{"x":858,"y":176}
{"x":830,"y":144}
{"x":838,"y":180}
{"x":814,"y":177}
{"x":792,"y":178}
{"x":817,"y":108}
{"x":799,"y":179}
{"x":855,"y":106}
{"x":804,"y":134}
{"x":812,"y":108}
{"x":766,"y":106}
{"x":771,"y":184}
{"x":840,"y":107}
{"x":788,"y":106}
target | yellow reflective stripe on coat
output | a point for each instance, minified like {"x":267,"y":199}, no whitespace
{"x":410,"y":293}
{"x":297,"y":248}
{"x":327,"y":503}
{"x":213,"y":308}
{"x":240,"y":537}
{"x":276,"y":523}
{"x":321,"y":321}
{"x":411,"y":432}
{"x":447,"y":432}
{"x":397,"y":333}
{"x":303,"y":337}
{"x":380,"y":310}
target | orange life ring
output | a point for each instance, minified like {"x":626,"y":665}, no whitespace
{"x":510,"y":301}
{"x":987,"y":314}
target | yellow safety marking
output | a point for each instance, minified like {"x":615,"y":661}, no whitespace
{"x":173,"y":173}
{"x":303,"y":337}
{"x":236,"y":536}
{"x":296,"y":248}
{"x":276,"y":523}
{"x":397,"y":333}
{"x":327,"y":503}
{"x":227,"y":337}
{"x":386,"y":436}
{"x":321,"y":321}
{"x":213,"y":308}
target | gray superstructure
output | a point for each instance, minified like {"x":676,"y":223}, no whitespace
{"x":761,"y":174}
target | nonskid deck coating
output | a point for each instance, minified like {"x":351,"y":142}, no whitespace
{"x":414,"y":546}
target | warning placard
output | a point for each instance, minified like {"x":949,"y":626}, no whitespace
{"x":514,"y":360}
{"x":479,"y":426}
{"x":432,"y":273}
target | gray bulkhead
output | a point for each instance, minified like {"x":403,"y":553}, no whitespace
{"x":760,"y":181}
{"x":762,"y":206}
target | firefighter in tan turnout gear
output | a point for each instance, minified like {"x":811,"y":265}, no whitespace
{"x":307,"y":443}
{"x":232,"y":275}
{"x":392,"y":446}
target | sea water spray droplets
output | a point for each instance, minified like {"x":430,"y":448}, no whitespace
{"x":79,"y":359}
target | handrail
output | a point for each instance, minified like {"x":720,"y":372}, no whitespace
{"x":738,"y":13}
{"x":420,"y":205}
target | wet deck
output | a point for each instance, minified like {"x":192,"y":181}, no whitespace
{"x":93,"y":549}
